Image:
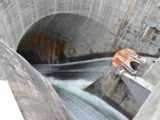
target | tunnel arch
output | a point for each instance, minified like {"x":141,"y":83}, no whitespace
{"x":64,"y":37}
{"x":18,"y":16}
{"x":123,"y":19}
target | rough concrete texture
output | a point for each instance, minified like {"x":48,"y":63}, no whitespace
{"x":113,"y":90}
{"x":122,"y":20}
{"x":150,"y":109}
{"x":34,"y":94}
{"x":152,"y":74}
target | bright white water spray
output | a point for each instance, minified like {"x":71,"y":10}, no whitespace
{"x":75,"y":88}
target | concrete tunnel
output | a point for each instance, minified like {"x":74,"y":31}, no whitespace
{"x":52,"y":31}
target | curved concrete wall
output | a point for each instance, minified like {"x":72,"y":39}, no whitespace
{"x":34,"y":94}
{"x":122,"y":19}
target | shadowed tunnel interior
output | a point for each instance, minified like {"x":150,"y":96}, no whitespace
{"x":63,"y":37}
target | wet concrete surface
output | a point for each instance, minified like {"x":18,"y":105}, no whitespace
{"x":90,"y":69}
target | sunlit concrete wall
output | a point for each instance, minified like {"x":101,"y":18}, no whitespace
{"x":34,"y":94}
{"x":151,"y":108}
{"x":122,"y":19}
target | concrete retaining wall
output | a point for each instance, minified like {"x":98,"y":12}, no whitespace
{"x":123,"y":21}
{"x":34,"y":94}
{"x":151,"y":107}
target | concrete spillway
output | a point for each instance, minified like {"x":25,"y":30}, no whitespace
{"x":86,"y":106}
{"x":85,"y":75}
{"x":81,"y":104}
{"x":67,"y":30}
{"x":90,"y":69}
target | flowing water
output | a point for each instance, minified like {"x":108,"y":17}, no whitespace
{"x":69,"y":81}
{"x":83,"y":105}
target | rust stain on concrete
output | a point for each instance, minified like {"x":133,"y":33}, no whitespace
{"x":50,"y":49}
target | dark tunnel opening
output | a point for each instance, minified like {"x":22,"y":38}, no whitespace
{"x":62,"y":38}
{"x":43,"y":49}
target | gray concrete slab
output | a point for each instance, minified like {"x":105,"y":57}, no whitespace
{"x":34,"y":94}
{"x":150,"y":109}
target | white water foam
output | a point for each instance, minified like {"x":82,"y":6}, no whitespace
{"x":75,"y":87}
